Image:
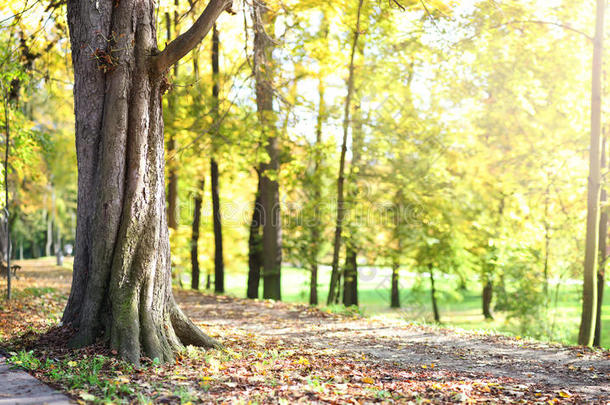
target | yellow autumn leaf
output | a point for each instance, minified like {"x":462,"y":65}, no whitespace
{"x":564,"y":394}
{"x":368,"y":380}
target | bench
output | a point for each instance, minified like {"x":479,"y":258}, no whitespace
{"x":14,"y":268}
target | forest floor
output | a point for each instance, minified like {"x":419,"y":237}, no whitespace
{"x":287,"y":353}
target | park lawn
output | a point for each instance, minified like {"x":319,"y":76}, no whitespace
{"x":459,"y":309}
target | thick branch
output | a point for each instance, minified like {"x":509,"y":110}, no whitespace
{"x":182,"y":45}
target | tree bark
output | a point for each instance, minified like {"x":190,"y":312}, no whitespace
{"x":547,"y":243}
{"x":172,"y":184}
{"x":316,"y":228}
{"x":333,"y":290}
{"x":195,"y":274}
{"x":350,"y":278}
{"x":255,"y":249}
{"x":601,"y":270}
{"x":395,"y":293}
{"x":437,"y":316}
{"x":350,"y":273}
{"x":269,"y":187}
{"x":487,"y":297}
{"x":121,"y":288}
{"x":589,"y":296}
{"x":219,"y":271}
{"x":49,"y":244}
{"x":7,"y":128}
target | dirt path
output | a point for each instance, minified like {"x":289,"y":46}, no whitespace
{"x":471,"y":356}
{"x":356,"y":358}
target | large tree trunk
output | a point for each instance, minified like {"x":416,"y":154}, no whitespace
{"x":195,"y":274}
{"x":333,"y":290}
{"x":121,"y":288}
{"x":603,"y":239}
{"x":589,"y":296}
{"x":255,"y":260}
{"x":219,"y":270}
{"x":269,"y":187}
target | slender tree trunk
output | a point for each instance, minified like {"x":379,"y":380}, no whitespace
{"x":350,"y":279}
{"x":589,"y":301}
{"x":601,"y":270}
{"x":350,"y":273}
{"x":172,"y":184}
{"x":219,"y":271}
{"x":333,"y":292}
{"x":7,"y":128}
{"x":255,"y":249}
{"x":47,"y":248}
{"x":121,"y":288}
{"x":316,"y":228}
{"x":547,"y":243}
{"x":487,"y":297}
{"x":195,"y":237}
{"x":395,"y":293}
{"x":269,"y":187}
{"x":35,"y":250}
{"x":437,"y":316}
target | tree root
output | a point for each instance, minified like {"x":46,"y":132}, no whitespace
{"x":189,"y":333}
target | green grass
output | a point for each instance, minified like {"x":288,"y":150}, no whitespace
{"x":459,"y":308}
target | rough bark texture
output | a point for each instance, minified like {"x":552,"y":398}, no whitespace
{"x":121,"y":289}
{"x":589,"y":298}
{"x":255,"y":260}
{"x":333,"y":291}
{"x":219,"y":270}
{"x":195,"y":273}
{"x":269,"y":187}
